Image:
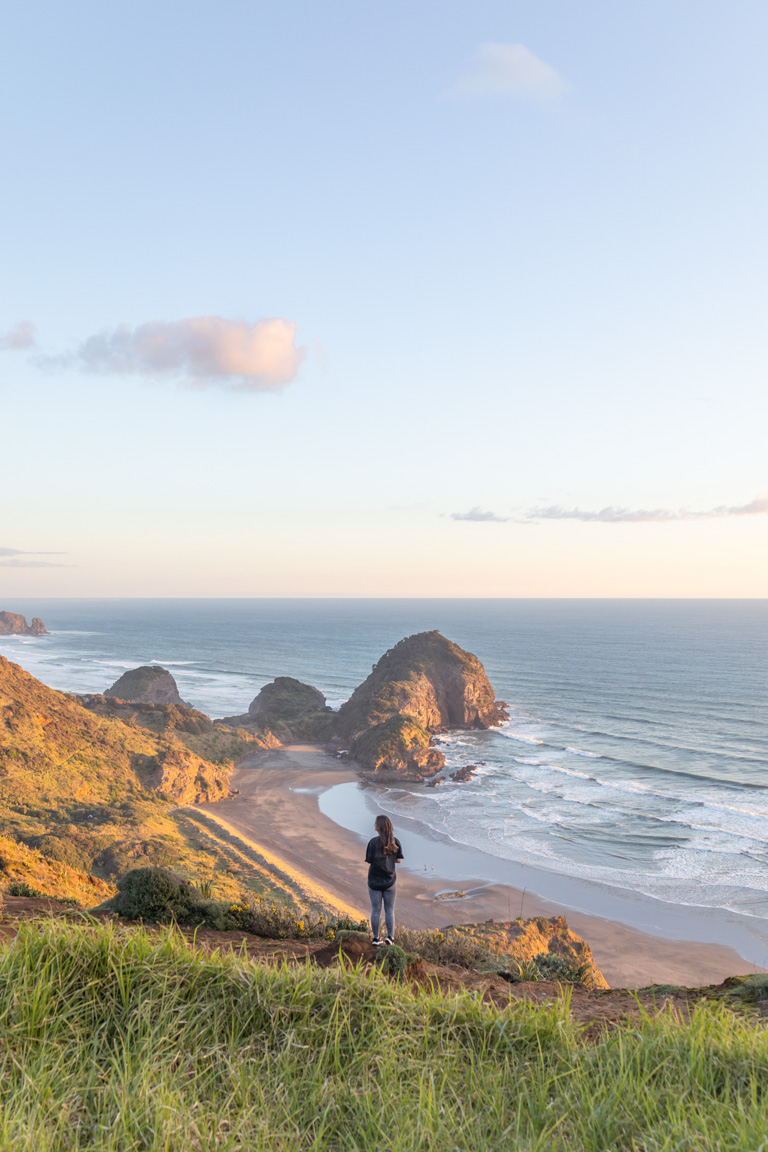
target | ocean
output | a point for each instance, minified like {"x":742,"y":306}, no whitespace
{"x":635,"y":757}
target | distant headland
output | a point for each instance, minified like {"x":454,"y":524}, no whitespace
{"x":14,"y":624}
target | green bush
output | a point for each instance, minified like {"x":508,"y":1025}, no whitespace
{"x":70,"y":850}
{"x":157,"y":896}
{"x":564,"y":968}
{"x":752,"y":988}
{"x":21,"y":888}
{"x":394,"y":961}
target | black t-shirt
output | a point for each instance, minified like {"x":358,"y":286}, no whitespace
{"x":381,"y":871}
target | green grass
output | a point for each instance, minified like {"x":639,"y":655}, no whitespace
{"x":114,"y":1039}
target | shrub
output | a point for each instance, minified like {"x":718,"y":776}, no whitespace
{"x":70,"y":850}
{"x":525,"y":970}
{"x":752,"y":988}
{"x":566,"y":968}
{"x":394,"y":961}
{"x":158,"y":896}
{"x":21,"y":888}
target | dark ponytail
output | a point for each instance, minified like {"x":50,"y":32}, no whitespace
{"x":383,"y":826}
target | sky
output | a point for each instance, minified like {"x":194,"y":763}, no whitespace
{"x":350,"y":299}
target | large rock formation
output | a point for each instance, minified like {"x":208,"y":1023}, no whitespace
{"x":14,"y":624}
{"x":149,"y":684}
{"x":290,"y":709}
{"x":425,"y":684}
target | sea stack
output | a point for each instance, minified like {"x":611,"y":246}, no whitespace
{"x":425,"y":684}
{"x":13,"y":624}
{"x":149,"y":684}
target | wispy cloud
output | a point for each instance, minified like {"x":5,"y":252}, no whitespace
{"x":617,"y":515}
{"x":199,"y":351}
{"x":509,"y":70}
{"x":32,"y":564}
{"x":24,"y":552}
{"x":479,"y":514}
{"x":21,"y":335}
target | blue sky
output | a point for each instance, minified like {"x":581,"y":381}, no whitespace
{"x":513,"y":256}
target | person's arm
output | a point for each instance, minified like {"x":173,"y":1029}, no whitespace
{"x":399,"y":855}
{"x":369,"y":853}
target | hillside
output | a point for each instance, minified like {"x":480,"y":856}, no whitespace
{"x":288,"y":710}
{"x":96,"y":789}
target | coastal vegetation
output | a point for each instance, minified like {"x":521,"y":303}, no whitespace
{"x":91,"y":787}
{"x":125,"y":1039}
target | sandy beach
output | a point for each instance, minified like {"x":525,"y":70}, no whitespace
{"x":277,"y":813}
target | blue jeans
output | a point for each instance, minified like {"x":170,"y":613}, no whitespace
{"x":388,"y":896}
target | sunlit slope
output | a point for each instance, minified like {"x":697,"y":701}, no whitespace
{"x":98,"y":790}
{"x":56,"y":757}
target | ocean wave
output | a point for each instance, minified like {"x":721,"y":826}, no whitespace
{"x":582,"y":752}
{"x":518,"y":736}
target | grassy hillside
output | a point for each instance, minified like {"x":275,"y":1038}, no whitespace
{"x":117,"y":1040}
{"x":56,"y":756}
{"x":23,"y":868}
{"x":96,"y":790}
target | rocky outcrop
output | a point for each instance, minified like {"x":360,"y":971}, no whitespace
{"x":525,"y":940}
{"x":289,"y":709}
{"x":14,"y":624}
{"x":149,"y":684}
{"x":425,"y":684}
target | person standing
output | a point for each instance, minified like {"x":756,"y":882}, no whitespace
{"x":382,"y":854}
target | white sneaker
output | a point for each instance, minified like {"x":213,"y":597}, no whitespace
{"x":389,"y":940}
{"x":376,"y":942}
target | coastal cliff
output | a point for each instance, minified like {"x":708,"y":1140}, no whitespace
{"x":424,"y":685}
{"x":149,"y":684}
{"x":96,"y":792}
{"x":14,"y":624}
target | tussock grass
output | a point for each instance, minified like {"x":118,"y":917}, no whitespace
{"x":114,"y":1040}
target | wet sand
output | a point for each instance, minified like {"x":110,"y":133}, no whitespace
{"x":277,"y":813}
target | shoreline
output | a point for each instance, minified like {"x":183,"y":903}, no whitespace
{"x":278,"y":813}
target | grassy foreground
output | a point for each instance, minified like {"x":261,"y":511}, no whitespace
{"x":117,"y":1039}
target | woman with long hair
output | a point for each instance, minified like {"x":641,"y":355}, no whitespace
{"x":381,"y":855}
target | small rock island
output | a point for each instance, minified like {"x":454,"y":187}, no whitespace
{"x":14,"y":624}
